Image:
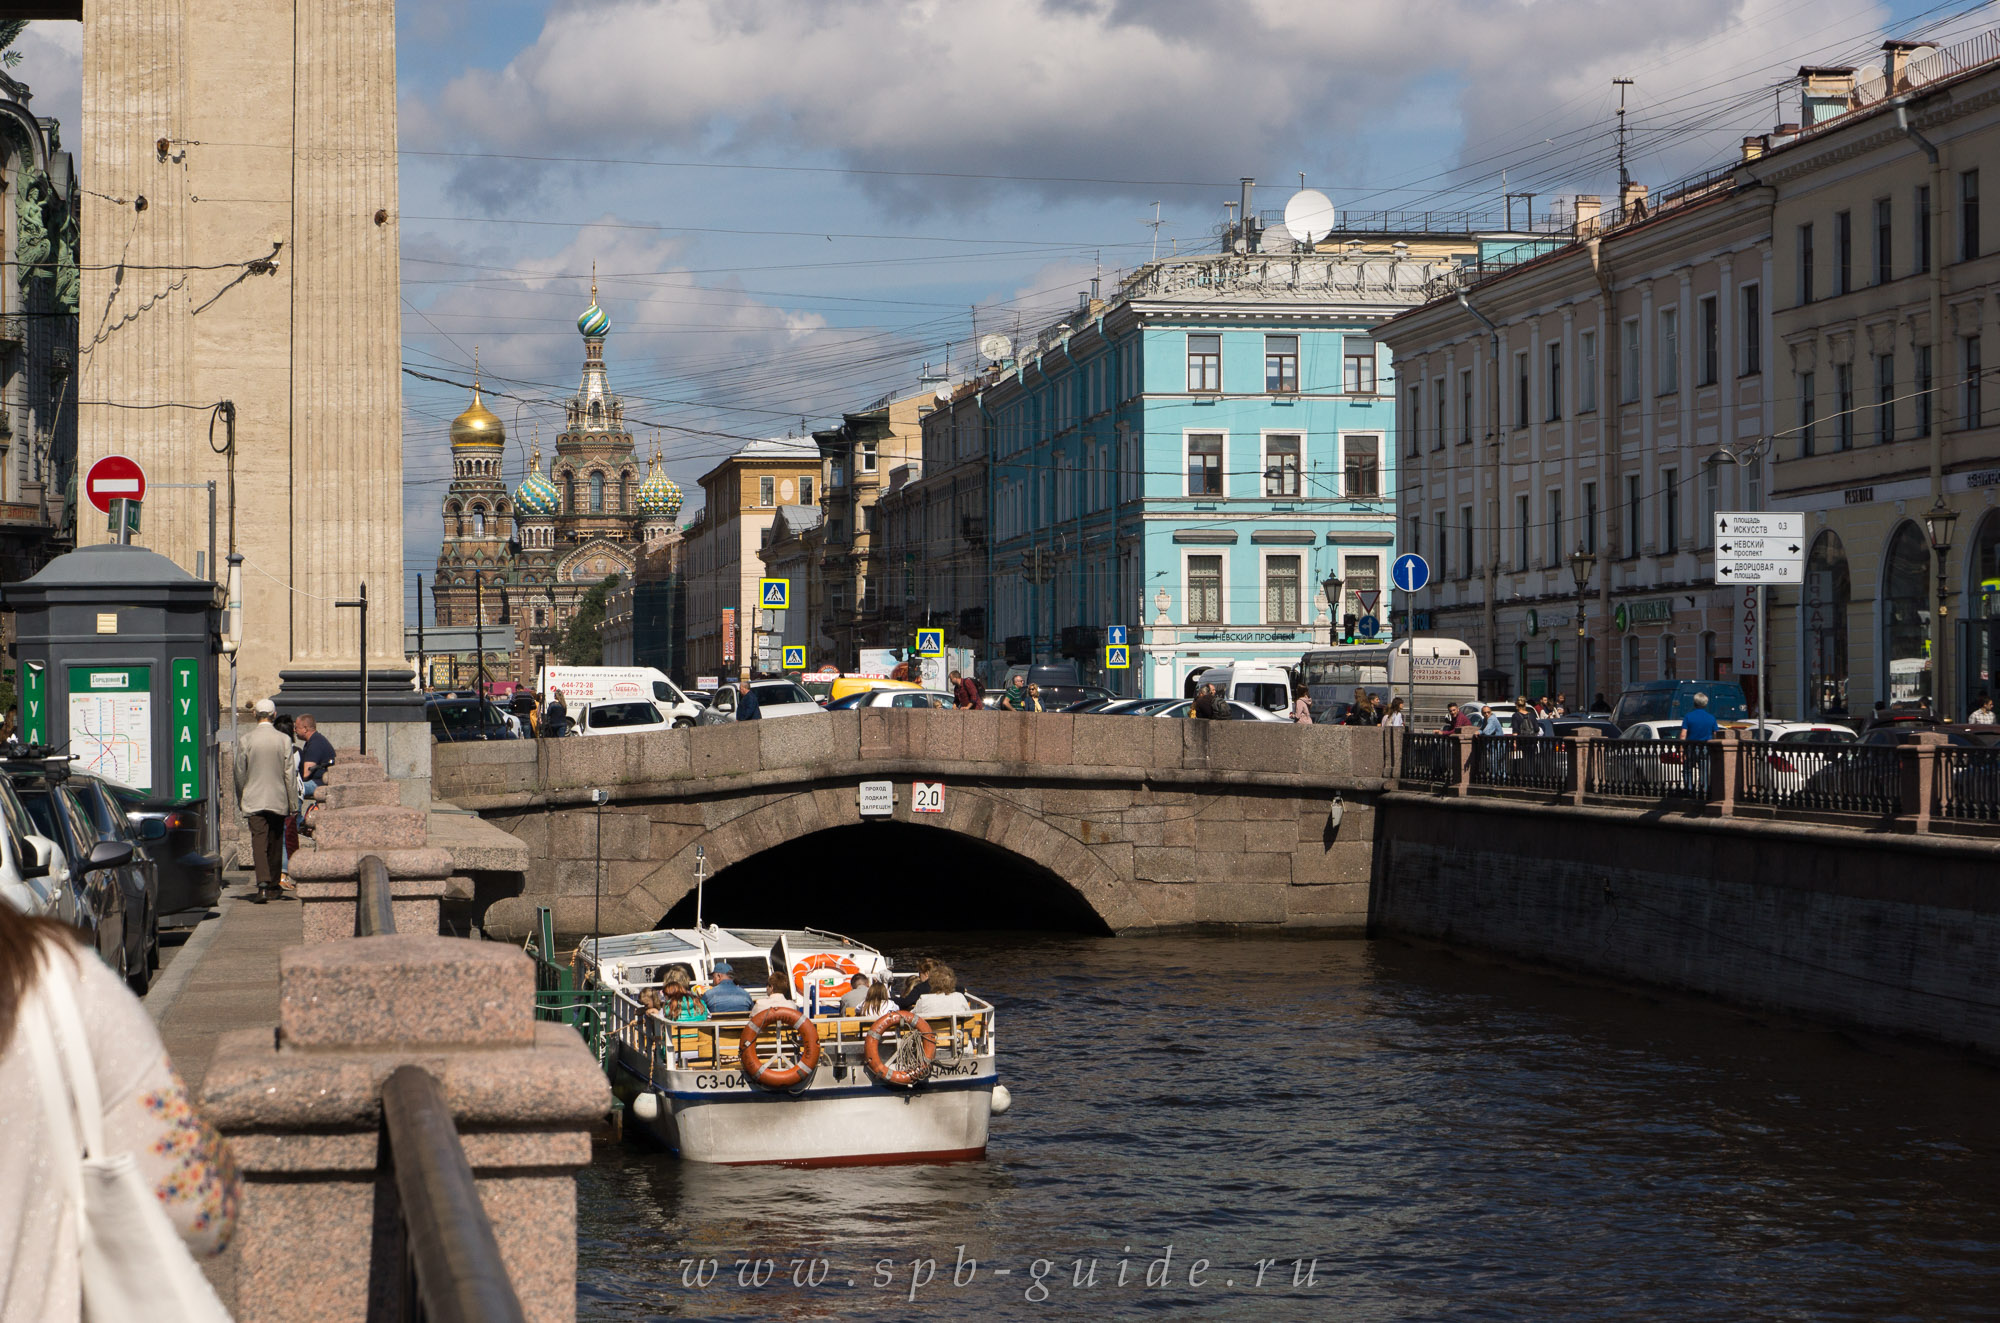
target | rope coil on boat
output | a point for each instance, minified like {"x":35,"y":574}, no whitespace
{"x":785,"y":1070}
{"x":916,"y":1049}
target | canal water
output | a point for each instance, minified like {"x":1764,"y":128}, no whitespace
{"x":1247,"y":1128}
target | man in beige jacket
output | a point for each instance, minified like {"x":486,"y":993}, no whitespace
{"x":267,"y":794}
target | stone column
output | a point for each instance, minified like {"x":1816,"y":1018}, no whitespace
{"x":1582,"y":753}
{"x":1729,"y":759}
{"x":319,"y":1236}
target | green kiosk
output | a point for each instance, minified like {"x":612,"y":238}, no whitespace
{"x":115,"y":653}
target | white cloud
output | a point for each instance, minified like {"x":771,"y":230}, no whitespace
{"x":52,"y":67}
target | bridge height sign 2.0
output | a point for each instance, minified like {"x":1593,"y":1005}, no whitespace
{"x":1759,"y":546}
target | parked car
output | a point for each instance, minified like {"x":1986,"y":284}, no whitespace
{"x":28,"y":878}
{"x":904,"y":698}
{"x":1604,"y":726}
{"x":849,"y":701}
{"x":847,"y":686}
{"x":111,"y":881}
{"x":100,"y":800}
{"x":1136,"y":707}
{"x":1061,"y":697}
{"x":1268,"y":687}
{"x":455,"y":720}
{"x":1670,"y":700}
{"x":1237,"y":711}
{"x":584,"y":686}
{"x":622,"y":718}
{"x":775,"y":699}
{"x":175,"y":838}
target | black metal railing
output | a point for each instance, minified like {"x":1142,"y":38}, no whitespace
{"x":1429,"y":758}
{"x":1834,"y":778}
{"x":1650,"y":769}
{"x":1968,"y":784}
{"x":456,"y":1272}
{"x":374,"y":899}
{"x":1527,"y":762}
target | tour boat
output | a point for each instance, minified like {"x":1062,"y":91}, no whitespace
{"x":809,"y":1086}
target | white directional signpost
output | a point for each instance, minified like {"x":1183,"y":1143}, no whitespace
{"x":1760,"y":547}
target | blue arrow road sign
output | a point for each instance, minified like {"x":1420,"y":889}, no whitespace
{"x":1114,"y":636}
{"x":1410,"y":573}
{"x":1369,"y":627}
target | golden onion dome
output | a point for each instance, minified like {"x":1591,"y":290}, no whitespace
{"x":477,"y":426}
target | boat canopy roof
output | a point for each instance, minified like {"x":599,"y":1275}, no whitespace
{"x":636,"y":957}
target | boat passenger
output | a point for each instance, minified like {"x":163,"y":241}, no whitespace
{"x":777,"y":992}
{"x":919,"y":985}
{"x":857,"y":993}
{"x":677,"y":1004}
{"x":944,"y":998}
{"x":877,"y":1003}
{"x":724,"y":997}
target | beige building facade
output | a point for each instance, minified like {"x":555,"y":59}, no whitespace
{"x":742,"y":494}
{"x":861,"y":454}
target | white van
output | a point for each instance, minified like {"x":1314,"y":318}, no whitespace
{"x":1254,"y":684}
{"x":585,"y":686}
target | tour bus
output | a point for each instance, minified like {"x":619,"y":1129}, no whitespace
{"x":1446,"y":671}
{"x":583,"y":686}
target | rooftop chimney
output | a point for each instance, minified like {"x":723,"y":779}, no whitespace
{"x":1753,"y":146}
{"x":1588,"y":207}
{"x":1632,"y":199}
{"x":1896,"y":67}
{"x":1826,"y":90}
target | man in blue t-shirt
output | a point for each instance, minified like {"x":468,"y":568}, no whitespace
{"x":724,"y":997}
{"x":1700,"y":723}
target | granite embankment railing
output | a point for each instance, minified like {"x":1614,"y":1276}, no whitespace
{"x":329,"y":1210}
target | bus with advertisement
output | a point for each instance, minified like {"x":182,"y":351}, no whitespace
{"x":1428,"y":673}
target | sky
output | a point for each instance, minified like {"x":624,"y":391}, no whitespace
{"x":793,"y":208}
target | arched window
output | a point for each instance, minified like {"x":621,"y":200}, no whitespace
{"x":597,"y":493}
{"x":569,"y":492}
{"x":1825,"y":598}
{"x":452,"y":522}
{"x":625,"y":492}
{"x":1979,"y":664}
{"x":478,"y":521}
{"x":1906,"y":616}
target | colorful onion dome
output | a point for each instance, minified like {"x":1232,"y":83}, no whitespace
{"x":659,"y":495}
{"x":537,"y":494}
{"x":593,"y":323}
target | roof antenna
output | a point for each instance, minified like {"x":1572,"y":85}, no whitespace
{"x":1156,"y":222}
{"x":1624,"y":177}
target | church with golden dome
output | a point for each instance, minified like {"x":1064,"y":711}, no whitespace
{"x":526,"y":558}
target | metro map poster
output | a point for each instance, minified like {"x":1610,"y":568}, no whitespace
{"x":111,"y":722}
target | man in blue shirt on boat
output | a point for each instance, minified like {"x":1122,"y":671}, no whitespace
{"x":724,"y":997}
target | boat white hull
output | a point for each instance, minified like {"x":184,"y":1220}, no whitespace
{"x":714,"y":1116}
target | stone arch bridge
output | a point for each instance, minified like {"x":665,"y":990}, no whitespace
{"x":1106,"y":823}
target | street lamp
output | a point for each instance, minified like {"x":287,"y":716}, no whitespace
{"x":1331,"y":586}
{"x":1580,"y":564}
{"x":1938,"y":522}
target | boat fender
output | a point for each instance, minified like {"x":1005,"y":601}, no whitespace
{"x":1002,"y":1100}
{"x":769,"y":1074}
{"x":646,"y":1107}
{"x":926,"y":1039}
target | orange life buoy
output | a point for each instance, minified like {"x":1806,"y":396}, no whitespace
{"x":769,"y":1074}
{"x":926,"y":1039}
{"x":828,"y":987}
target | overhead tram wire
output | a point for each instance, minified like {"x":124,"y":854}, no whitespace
{"x":822,"y":169}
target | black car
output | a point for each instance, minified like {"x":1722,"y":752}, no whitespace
{"x":177,"y":838}
{"x":116,"y":883}
{"x":454,"y":720}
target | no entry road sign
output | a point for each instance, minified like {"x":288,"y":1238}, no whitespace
{"x":114,"y":478}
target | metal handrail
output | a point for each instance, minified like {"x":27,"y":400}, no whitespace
{"x":454,"y":1255}
{"x":374,"y":906}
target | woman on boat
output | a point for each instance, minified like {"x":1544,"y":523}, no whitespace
{"x":679,"y":1005}
{"x":944,"y":998}
{"x":777,"y":992}
{"x":877,"y":1004}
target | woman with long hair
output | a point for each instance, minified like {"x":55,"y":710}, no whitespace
{"x":146,"y":1113}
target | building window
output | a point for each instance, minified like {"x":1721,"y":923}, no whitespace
{"x":1923,"y":227}
{"x":1670,"y":511}
{"x":1204,"y":464}
{"x":1521,"y":389}
{"x":1905,"y":607}
{"x":1632,"y":513}
{"x":1437,"y":408}
{"x":1465,"y":406}
{"x":1631,"y":650}
{"x":1808,"y":404}
{"x":1843,"y":251}
{"x":1884,"y":259}
{"x":1968,"y":404}
{"x":1414,"y":538}
{"x":867,"y":462}
{"x":1968,"y":215}
{"x":1843,"y":403}
{"x":1554,"y":511}
{"x":837,"y":476}
{"x":1468,"y":553}
{"x":1885,"y":398}
{"x":1357,"y":360}
{"x":1281,"y":466}
{"x":1281,"y":364}
{"x":1628,"y":362}
{"x":767,"y":491}
{"x":478,"y":522}
{"x":1923,"y":365}
{"x":1670,"y":656}
{"x":1751,"y":333}
{"x":597,"y":493}
{"x":1362,"y":462}
{"x":1521,"y":518}
{"x":1711,"y":339}
{"x":1555,"y":383}
{"x":1805,"y":264}
{"x":1711,"y":501}
{"x":1586,"y":372}
{"x":1590,"y":517}
{"x":1361,"y":574}
{"x":1204,"y":590}
{"x":1281,"y":590}
{"x":1670,"y":351}
{"x":1413,"y":424}
{"x":805,"y":491}
{"x":1204,"y":353}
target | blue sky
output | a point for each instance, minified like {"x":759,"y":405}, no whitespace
{"x":793,"y":206}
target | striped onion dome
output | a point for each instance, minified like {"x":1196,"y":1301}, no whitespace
{"x":593,"y":323}
{"x":659,"y":495}
{"x":537,"y":494}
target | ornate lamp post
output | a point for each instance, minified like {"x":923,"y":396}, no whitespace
{"x":1580,"y":564}
{"x":1938,"y":522}
{"x":1331,"y":586}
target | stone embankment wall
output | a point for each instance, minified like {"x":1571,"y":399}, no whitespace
{"x":1872,"y":929}
{"x":1153,"y":823}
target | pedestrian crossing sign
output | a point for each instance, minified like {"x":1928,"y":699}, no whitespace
{"x":795,"y":656}
{"x":776,"y":594}
{"x":930,"y":643}
{"x":1117,"y":657}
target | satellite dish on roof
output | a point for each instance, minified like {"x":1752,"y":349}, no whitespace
{"x":1309,"y":216}
{"x":995,"y":347}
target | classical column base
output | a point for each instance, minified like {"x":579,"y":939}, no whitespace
{"x":398,"y":732}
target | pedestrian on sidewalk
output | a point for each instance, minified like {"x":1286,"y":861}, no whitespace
{"x":267,"y":795}
{"x":1302,"y":705}
{"x":964,"y":691}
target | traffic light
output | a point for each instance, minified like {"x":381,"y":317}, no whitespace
{"x":1349,"y":625}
